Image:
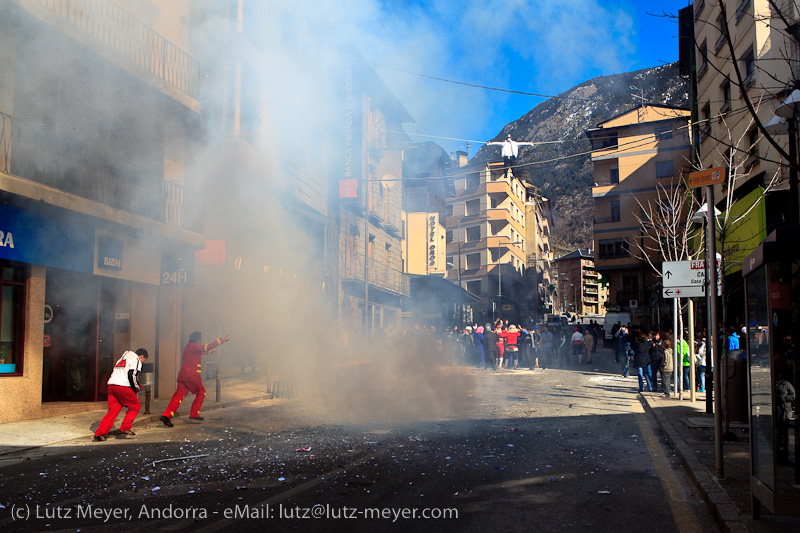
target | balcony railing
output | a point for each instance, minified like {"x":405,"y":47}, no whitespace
{"x":380,"y":275}
{"x":78,"y":169}
{"x":130,"y":38}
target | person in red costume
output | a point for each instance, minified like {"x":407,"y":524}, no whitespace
{"x":189,"y":377}
{"x":122,"y":388}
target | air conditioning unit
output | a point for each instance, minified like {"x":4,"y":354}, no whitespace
{"x":633,"y":304}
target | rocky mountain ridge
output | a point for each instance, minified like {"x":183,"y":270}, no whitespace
{"x":561,"y":169}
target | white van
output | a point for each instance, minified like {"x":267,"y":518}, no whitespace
{"x":611,"y":319}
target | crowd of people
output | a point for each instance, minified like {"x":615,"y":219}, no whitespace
{"x":505,"y":345}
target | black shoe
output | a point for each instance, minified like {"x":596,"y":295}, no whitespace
{"x":196,"y":418}
{"x":99,"y":438}
{"x":167,"y":422}
{"x":128,"y":433}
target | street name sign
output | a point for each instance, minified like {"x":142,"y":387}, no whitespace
{"x":710,"y":176}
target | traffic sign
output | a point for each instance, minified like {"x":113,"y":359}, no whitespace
{"x":683,"y":273}
{"x":696,"y":291}
{"x":710,"y":176}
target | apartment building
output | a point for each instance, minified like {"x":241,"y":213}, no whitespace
{"x":486,"y":249}
{"x":372,"y":282}
{"x":98,"y":209}
{"x":578,"y":284}
{"x":538,"y":277}
{"x":755,"y":197}
{"x":635,"y":155}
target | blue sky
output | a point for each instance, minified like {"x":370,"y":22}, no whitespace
{"x":535,"y":46}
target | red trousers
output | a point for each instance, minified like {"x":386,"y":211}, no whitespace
{"x":185,"y":387}
{"x":119,"y":397}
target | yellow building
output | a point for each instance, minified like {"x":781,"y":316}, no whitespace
{"x":633,"y":155}
{"x":486,"y":238}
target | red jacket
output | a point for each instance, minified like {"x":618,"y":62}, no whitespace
{"x":510,"y":337}
{"x":190,"y":364}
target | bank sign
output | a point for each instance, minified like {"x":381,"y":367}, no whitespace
{"x":30,"y":237}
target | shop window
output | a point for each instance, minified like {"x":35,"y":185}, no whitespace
{"x":12,"y":286}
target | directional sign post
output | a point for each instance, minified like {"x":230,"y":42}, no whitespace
{"x":684,"y":279}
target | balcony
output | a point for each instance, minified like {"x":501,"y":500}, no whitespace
{"x":380,"y":275}
{"x":78,"y":169}
{"x":126,"y":36}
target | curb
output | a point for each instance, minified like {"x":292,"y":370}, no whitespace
{"x":724,"y":510}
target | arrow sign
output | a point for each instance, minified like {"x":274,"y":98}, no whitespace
{"x":693,"y":291}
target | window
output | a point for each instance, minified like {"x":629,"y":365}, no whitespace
{"x":662,"y":131}
{"x":473,"y":234}
{"x":614,"y":175}
{"x":473,"y":181}
{"x":386,"y":253}
{"x":473,"y":261}
{"x":705,"y":121}
{"x":726,"y":97}
{"x":369,"y":246}
{"x":605,"y":140}
{"x":749,"y":68}
{"x":665,"y":169}
{"x":473,"y":207}
{"x":449,"y":236}
{"x":615,"y":211}
{"x":753,"y":140}
{"x":12,"y":284}
{"x":703,"y":60}
{"x":474,"y":287}
{"x":612,"y":248}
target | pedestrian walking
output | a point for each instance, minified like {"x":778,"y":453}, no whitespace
{"x":625,"y":340}
{"x":123,"y":385}
{"x":656,"y":359}
{"x":548,"y":356}
{"x":190,"y":377}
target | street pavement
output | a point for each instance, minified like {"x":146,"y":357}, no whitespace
{"x":685,"y":425}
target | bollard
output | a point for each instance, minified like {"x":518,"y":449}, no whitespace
{"x":147,"y":396}
{"x":219,"y":383}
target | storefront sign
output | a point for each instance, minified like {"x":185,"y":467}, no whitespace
{"x":177,"y":270}
{"x":212,"y":254}
{"x":109,"y":253}
{"x":34,"y":238}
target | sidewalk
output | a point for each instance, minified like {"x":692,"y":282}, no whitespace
{"x":690,"y":432}
{"x":28,"y":434}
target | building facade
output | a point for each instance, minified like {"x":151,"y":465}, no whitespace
{"x":486,"y":249}
{"x":579,"y":288}
{"x":94,"y":193}
{"x":636,"y":156}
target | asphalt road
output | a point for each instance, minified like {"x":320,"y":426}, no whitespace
{"x":551,"y":450}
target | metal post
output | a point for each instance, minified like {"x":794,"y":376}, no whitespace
{"x":711,"y":294}
{"x":218,"y":383}
{"x":677,"y":363}
{"x":692,"y":377}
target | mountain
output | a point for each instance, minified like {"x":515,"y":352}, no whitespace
{"x":562,"y":168}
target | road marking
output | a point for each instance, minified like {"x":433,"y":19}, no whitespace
{"x":683,"y":512}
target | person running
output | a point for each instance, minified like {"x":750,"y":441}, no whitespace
{"x":122,"y":388}
{"x":190,"y":377}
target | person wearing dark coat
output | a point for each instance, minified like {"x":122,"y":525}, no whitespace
{"x":641,"y":360}
{"x":489,"y":345}
{"x":656,"y":360}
